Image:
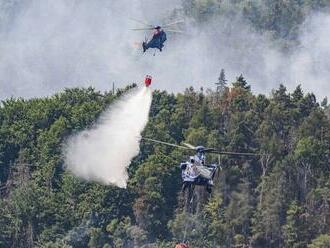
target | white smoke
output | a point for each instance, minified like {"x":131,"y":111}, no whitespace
{"x":310,"y":64}
{"x":104,"y":152}
{"x":50,"y":45}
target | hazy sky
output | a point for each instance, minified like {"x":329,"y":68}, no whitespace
{"x":50,"y":45}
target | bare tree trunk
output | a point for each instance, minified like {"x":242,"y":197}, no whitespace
{"x":29,"y":235}
{"x":266,"y":160}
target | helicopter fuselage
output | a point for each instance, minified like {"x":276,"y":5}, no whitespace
{"x":198,"y":174}
{"x":157,"y":41}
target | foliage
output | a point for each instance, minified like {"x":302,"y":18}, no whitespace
{"x":281,"y":200}
{"x":322,"y":241}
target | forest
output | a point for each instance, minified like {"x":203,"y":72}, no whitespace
{"x":281,"y":200}
{"x":278,"y":200}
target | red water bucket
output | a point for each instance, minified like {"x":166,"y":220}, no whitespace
{"x":147,"y":80}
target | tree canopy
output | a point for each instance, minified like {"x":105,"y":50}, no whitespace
{"x":277,"y":201}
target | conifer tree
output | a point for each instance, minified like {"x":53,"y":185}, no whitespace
{"x":222,"y":82}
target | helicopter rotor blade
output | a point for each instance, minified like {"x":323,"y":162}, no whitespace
{"x":236,"y":153}
{"x":141,"y":29}
{"x":189,"y":146}
{"x":168,"y":144}
{"x":174,"y":31}
{"x":209,"y":150}
{"x":206,"y":150}
{"x":142,"y":22}
{"x":173,"y":23}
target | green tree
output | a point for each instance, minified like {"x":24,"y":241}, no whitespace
{"x":323,"y":241}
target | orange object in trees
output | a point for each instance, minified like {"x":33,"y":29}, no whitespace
{"x":181,"y":245}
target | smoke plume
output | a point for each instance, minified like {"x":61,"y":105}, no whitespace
{"x":48,"y":45}
{"x":104,"y":152}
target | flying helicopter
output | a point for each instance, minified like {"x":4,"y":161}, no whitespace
{"x":159,"y":35}
{"x":195,"y":171}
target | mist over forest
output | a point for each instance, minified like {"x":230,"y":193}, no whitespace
{"x":47,"y":46}
{"x":244,"y":76}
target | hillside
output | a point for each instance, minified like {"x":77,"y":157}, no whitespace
{"x":280,"y":201}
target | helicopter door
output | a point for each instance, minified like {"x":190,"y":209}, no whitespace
{"x":204,"y":172}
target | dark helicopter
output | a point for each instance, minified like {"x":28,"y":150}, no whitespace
{"x":159,"y":36}
{"x":195,"y":171}
{"x":157,"y":41}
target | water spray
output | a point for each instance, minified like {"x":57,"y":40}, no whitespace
{"x":104,"y":152}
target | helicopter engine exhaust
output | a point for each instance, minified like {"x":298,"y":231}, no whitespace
{"x":104,"y":152}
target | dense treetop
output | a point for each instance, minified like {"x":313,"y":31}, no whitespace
{"x":281,"y":200}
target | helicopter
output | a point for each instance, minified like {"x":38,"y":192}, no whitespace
{"x":159,"y":35}
{"x":195,"y":171}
